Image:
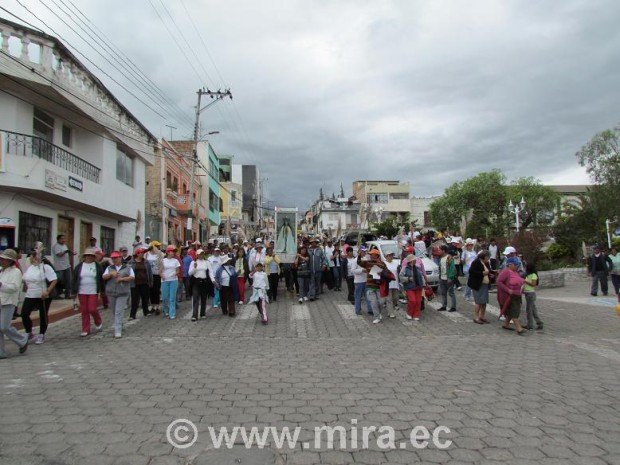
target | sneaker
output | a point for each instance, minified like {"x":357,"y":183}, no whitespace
{"x":441,"y":309}
{"x":502,"y":318}
{"x":452,"y":309}
{"x":117,"y":335}
{"x":416,"y":319}
{"x":83,"y":334}
{"x":216,"y":306}
{"x":131,"y":318}
{"x":305,"y":299}
{"x":301,"y":300}
{"x":40,"y":339}
{"x":172,"y":317}
{"x":376,"y":321}
{"x":539,"y":327}
{"x":392,"y":315}
{"x":98,"y":327}
{"x":24,"y":348}
{"x":408,"y":317}
{"x":241,"y":302}
{"x":194,"y":318}
{"x":32,"y":337}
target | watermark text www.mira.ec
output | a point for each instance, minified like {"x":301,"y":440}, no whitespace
{"x":183,"y":433}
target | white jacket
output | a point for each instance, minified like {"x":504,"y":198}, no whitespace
{"x":11,"y":280}
{"x":359,"y":273}
{"x":254,"y":257}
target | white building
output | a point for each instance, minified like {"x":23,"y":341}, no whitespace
{"x":331,"y":216}
{"x":72,"y":157}
{"x":420,"y":211}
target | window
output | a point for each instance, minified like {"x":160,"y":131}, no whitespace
{"x":124,"y":167}
{"x":66,"y":136}
{"x":43,"y":125}
{"x":214,"y":201}
{"x":107,"y":239}
{"x":168,"y":180}
{"x":377,"y":198}
{"x":33,"y":228}
{"x":185,"y":191}
{"x":175,"y":184}
{"x":399,"y":196}
{"x":233,"y":196}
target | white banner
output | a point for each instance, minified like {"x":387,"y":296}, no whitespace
{"x":189,"y":223}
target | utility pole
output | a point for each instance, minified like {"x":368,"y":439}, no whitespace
{"x":216,"y":96}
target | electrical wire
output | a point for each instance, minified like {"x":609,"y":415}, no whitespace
{"x":121,"y":58}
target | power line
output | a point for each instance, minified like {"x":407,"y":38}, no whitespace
{"x":119,"y":57}
{"x":175,"y":41}
{"x":93,"y":63}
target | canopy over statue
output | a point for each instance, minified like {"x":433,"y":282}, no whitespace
{"x":286,"y":234}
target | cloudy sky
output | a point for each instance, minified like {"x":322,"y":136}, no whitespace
{"x":330,"y":91}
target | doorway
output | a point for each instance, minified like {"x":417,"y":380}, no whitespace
{"x":66,"y":228}
{"x":86,"y":232}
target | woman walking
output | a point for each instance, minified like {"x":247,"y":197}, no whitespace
{"x":243,"y":270}
{"x":272,"y":264}
{"x":226,"y":282}
{"x":87,"y":285}
{"x":529,"y":291}
{"x":117,"y":278}
{"x":509,"y":294}
{"x":141,"y":286}
{"x":170,"y":277}
{"x":10,"y":285}
{"x":302,"y":265}
{"x":478,"y":282}
{"x":40,"y":280}
{"x":200,"y":284}
{"x":155,"y":257}
{"x":413,"y":277}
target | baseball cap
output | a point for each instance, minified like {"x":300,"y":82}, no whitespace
{"x":199,"y":251}
{"x":124,"y":249}
{"x":509,"y":250}
{"x":170,"y":248}
{"x":115,"y":254}
{"x":468,"y":241}
{"x":374,"y":252}
{"x":513,"y":261}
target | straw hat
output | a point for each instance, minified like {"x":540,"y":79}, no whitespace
{"x":90,"y":251}
{"x":9,"y":254}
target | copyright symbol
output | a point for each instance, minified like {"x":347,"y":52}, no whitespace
{"x":181,"y":433}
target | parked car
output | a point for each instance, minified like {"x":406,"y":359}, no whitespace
{"x":351,"y":238}
{"x":432,"y":270}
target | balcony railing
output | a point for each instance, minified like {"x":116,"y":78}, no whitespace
{"x":36,"y":147}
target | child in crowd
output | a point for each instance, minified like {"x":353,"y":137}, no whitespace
{"x":260,"y":286}
{"x":529,"y":291}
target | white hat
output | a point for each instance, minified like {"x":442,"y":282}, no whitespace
{"x":416,"y":234}
{"x":509,"y":250}
{"x":468,"y":241}
{"x":259,"y":240}
{"x":199,"y":251}
{"x":218,"y":249}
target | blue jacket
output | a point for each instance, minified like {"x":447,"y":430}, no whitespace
{"x":230,"y":270}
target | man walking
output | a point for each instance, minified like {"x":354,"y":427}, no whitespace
{"x":62,"y":264}
{"x":318,"y":264}
{"x":447,"y":277}
{"x":598,"y":268}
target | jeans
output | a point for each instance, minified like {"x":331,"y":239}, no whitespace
{"x":273,"y":279}
{"x":6,"y":330}
{"x":118,"y":304}
{"x":216,"y":297}
{"x":315,"y":284}
{"x":360,"y":292}
{"x":447,"y":289}
{"x":304,"y":286}
{"x":65,"y":278}
{"x":31,"y":304}
{"x":88,"y":308}
{"x":599,"y":276}
{"x":288,"y":276}
{"x":374,"y":301}
{"x":615,"y":280}
{"x":392,"y":299}
{"x":155,"y":297}
{"x":337,"y":277}
{"x":467,"y":294}
{"x":200,"y":292}
{"x":531,"y":310}
{"x":140,"y":294}
{"x":169,"y":297}
{"x":350,"y":289}
{"x":227,"y":300}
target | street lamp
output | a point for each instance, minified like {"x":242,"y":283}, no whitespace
{"x":517,"y":209}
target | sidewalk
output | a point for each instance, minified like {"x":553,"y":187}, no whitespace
{"x":59,"y":310}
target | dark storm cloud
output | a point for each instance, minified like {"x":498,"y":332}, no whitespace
{"x":428,"y":92}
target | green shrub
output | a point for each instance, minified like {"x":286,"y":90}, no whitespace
{"x":558,"y":251}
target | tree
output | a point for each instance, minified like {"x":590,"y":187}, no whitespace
{"x":541,"y":202}
{"x":601,"y":157}
{"x":387,"y":227}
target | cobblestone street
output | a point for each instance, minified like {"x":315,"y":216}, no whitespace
{"x":550,"y":397}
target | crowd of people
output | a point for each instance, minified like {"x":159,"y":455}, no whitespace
{"x":155,"y":279}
